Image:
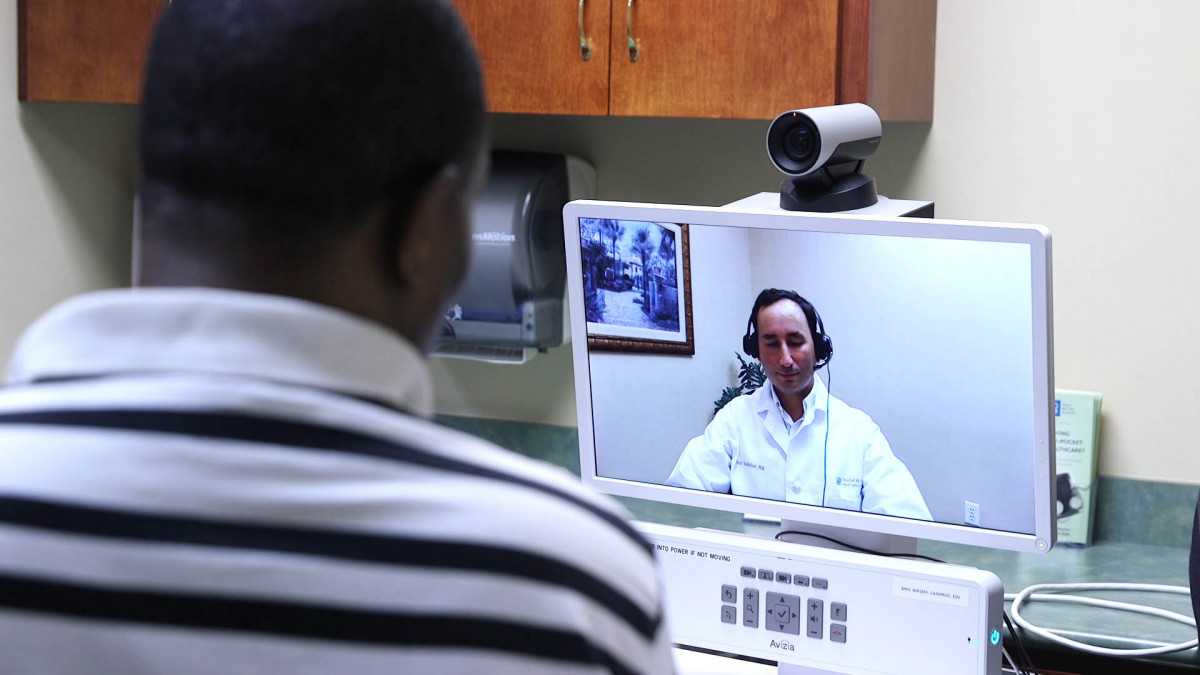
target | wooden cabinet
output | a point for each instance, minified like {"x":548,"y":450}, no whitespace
{"x":731,"y":59}
{"x":722,"y":58}
{"x":532,"y":55}
{"x":90,"y":50}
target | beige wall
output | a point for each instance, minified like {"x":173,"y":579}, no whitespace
{"x":1075,"y":114}
{"x":66,"y":184}
{"x":1079,"y":115}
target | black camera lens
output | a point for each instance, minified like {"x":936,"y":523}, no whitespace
{"x":794,"y":143}
{"x":798,"y":144}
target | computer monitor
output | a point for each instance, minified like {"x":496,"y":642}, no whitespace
{"x":939,"y":380}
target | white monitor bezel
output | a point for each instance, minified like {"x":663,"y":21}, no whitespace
{"x":1037,"y":237}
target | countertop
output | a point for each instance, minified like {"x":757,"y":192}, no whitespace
{"x":1104,"y":561}
{"x":1142,"y":528}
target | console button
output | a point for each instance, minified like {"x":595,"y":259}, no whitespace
{"x":783,"y":613}
{"x":728,"y":614}
{"x":750,"y":607}
{"x":816,"y":618}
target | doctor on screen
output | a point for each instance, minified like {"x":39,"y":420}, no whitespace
{"x":791,"y":440}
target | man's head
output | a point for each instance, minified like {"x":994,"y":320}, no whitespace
{"x":785,"y":334}
{"x":326,"y":149}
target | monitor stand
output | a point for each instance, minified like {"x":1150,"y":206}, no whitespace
{"x":873,"y":542}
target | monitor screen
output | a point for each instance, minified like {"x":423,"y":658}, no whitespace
{"x":902,"y":383}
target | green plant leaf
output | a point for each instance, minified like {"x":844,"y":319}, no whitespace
{"x":750,"y":374}
{"x":727,"y":395}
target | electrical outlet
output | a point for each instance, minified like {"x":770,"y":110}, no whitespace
{"x":971,"y":513}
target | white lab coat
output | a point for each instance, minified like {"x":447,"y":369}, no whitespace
{"x":748,"y":450}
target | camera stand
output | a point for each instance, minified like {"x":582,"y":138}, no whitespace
{"x":827,"y":192}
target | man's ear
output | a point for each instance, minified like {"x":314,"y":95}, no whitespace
{"x":431,"y":243}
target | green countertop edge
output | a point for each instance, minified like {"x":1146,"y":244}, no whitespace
{"x":1103,"y":562}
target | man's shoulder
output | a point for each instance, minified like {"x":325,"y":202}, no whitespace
{"x":329,"y":483}
{"x":841,"y":412}
{"x":493,"y":460}
{"x":750,"y":402}
{"x":524,"y":503}
{"x":526,"y":492}
{"x":407,"y":454}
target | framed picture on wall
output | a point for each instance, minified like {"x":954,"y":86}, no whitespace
{"x":637,"y":286}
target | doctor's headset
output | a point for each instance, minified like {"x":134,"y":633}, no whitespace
{"x":821,"y":342}
{"x":822,"y":345}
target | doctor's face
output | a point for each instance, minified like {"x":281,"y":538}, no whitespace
{"x":785,"y":348}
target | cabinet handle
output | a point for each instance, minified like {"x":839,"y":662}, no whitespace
{"x":633,"y":47}
{"x":585,"y":49}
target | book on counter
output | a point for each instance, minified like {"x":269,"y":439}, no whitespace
{"x":1077,"y":437}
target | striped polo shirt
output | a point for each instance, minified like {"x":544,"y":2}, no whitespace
{"x":204,"y":481}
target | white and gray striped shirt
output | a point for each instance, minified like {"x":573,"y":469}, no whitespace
{"x":202,"y":481}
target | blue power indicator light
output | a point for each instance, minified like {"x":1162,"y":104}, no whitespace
{"x":995,"y":636}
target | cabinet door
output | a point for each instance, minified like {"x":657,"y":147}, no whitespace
{"x":734,"y":59}
{"x":532,"y":57}
{"x":84,"y":51}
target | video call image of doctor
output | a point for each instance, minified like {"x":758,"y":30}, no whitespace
{"x":791,"y":440}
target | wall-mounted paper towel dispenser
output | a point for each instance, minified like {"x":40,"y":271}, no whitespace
{"x":511,"y":303}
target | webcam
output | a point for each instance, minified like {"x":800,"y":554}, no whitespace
{"x":822,"y":151}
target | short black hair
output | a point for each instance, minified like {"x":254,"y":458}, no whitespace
{"x":770,"y":296}
{"x":299,"y":112}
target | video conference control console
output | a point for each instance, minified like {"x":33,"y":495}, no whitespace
{"x":831,"y":610}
